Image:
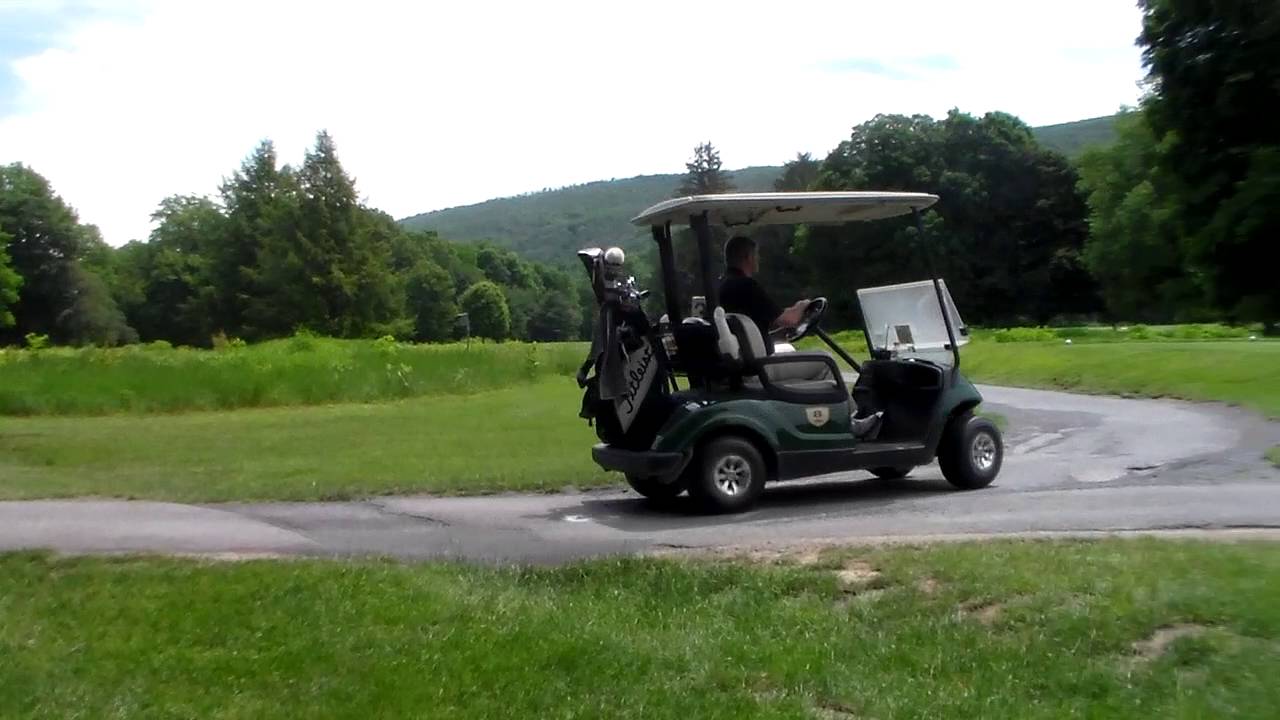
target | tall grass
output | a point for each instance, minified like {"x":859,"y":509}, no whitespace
{"x":301,"y":370}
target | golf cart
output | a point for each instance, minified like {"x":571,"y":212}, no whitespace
{"x":694,"y":402}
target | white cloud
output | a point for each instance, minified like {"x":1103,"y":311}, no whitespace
{"x":436,"y":104}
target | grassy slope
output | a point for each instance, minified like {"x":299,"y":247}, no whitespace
{"x":523,"y":438}
{"x":653,"y":639}
{"x":551,"y":225}
{"x":1274,"y":456}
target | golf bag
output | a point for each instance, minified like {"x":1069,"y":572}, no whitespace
{"x":624,"y":378}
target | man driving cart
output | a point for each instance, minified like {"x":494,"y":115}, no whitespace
{"x":741,"y":293}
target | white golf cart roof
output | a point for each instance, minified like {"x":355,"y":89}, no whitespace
{"x":785,"y":208}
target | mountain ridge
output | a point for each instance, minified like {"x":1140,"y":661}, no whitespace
{"x":550,"y":225}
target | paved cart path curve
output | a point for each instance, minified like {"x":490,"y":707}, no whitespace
{"x":1074,"y":463}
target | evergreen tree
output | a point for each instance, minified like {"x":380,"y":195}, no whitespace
{"x":259,"y":201}
{"x":703,"y":174}
{"x":329,"y":267}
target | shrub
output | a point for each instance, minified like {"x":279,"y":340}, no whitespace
{"x":1025,"y":334}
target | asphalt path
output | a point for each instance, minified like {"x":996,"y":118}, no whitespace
{"x":1073,"y":463}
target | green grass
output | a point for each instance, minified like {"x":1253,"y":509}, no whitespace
{"x":1240,"y":373}
{"x":527,"y":437}
{"x":1274,"y":456}
{"x":301,"y":370}
{"x":991,"y":630}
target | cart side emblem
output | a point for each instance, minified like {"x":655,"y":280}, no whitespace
{"x":818,"y":416}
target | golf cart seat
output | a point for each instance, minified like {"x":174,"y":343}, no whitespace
{"x":794,"y":376}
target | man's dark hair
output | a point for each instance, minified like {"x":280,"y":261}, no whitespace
{"x":737,"y":249}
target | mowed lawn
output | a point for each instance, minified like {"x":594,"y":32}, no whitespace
{"x":526,"y":437}
{"x":1014,"y":629}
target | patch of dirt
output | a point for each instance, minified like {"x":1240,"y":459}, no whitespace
{"x":928,"y":586}
{"x":859,"y":582}
{"x":857,"y":574}
{"x":1158,"y":644}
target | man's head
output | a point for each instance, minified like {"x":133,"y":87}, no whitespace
{"x":740,"y":253}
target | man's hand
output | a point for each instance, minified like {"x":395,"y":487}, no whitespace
{"x":792,"y":315}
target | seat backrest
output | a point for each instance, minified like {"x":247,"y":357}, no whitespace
{"x":726,"y":341}
{"x":739,"y":338}
{"x":749,"y":337}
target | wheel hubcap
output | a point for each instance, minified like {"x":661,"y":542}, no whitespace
{"x":983,"y":451}
{"x":732,"y":474}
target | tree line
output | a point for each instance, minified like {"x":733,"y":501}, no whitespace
{"x":279,"y":250}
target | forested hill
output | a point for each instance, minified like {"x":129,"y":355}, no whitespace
{"x":551,"y":225}
{"x":1073,"y":138}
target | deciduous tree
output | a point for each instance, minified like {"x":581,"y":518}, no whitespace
{"x":487,"y":311}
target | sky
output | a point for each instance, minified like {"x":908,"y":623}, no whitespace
{"x":434,"y":104}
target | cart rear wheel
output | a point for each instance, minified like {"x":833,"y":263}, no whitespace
{"x":971,"y":452}
{"x":892,"y":473}
{"x":654,"y":489}
{"x":729,"y":475}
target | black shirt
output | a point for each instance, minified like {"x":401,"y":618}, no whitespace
{"x":742,"y":294}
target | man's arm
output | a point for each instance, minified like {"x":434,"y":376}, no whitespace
{"x":790,"y":317}
{"x":781,"y":318}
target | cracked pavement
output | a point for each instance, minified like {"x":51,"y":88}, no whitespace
{"x":1073,"y":463}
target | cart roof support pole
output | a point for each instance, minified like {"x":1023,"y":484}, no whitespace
{"x":702,"y":231}
{"x":670,"y":289}
{"x":937,"y":287}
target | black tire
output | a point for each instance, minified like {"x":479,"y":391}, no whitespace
{"x":651,"y":487}
{"x":728,"y":475}
{"x":892,"y":473}
{"x":971,"y":452}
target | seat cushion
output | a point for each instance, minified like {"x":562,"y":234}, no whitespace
{"x":804,"y":375}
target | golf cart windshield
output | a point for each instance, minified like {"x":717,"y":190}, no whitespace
{"x":906,"y":319}
{"x":754,"y":209}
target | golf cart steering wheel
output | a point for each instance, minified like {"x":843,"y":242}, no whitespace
{"x":808,"y":320}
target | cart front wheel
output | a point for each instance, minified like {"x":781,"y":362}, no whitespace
{"x":729,"y":475}
{"x":971,"y":452}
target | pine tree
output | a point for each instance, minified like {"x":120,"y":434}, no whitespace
{"x":258,"y":202}
{"x":703,"y":175}
{"x":327,"y":267}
